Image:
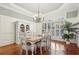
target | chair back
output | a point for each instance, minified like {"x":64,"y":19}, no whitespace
{"x":23,"y":44}
{"x":29,"y":45}
{"x":48,"y":40}
{"x":44,"y":41}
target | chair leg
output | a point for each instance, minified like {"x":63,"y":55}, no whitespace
{"x":35,"y":50}
{"x":21,"y":52}
{"x":26,"y":52}
{"x":41,"y":50}
{"x":45,"y":48}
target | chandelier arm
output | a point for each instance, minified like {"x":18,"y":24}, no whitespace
{"x":38,"y":9}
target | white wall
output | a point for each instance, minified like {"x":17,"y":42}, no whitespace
{"x":38,"y":28}
{"x":7,"y":29}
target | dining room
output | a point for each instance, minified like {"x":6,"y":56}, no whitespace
{"x":39,"y":28}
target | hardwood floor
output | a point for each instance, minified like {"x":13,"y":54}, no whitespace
{"x":38,"y":52}
{"x":61,"y":48}
{"x":72,"y":49}
{"x":11,"y":49}
{"x":57,"y":48}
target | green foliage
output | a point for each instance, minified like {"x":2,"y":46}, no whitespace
{"x":67,"y":26}
{"x":68,"y":36}
{"x":70,"y":31}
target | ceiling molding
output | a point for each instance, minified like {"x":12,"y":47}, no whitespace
{"x":16,"y":9}
{"x":10,"y":13}
{"x":61,"y":7}
{"x":65,"y":8}
{"x":22,"y":9}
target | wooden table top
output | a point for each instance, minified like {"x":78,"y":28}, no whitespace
{"x":34,"y":38}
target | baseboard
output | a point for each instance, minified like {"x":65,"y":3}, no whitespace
{"x":7,"y":44}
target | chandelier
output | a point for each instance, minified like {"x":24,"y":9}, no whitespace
{"x":38,"y":17}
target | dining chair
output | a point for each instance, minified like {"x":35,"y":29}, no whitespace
{"x":26,"y":46}
{"x":37,"y":47}
{"x":23,"y":46}
{"x":46,"y":42}
{"x":29,"y":48}
{"x":49,"y":43}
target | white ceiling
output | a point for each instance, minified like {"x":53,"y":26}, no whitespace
{"x":43,"y":7}
{"x":31,"y":9}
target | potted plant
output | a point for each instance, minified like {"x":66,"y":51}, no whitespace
{"x":68,"y":32}
{"x":68,"y":36}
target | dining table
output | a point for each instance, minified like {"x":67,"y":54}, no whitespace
{"x":33,"y":39}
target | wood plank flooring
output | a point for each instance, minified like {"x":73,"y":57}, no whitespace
{"x":61,"y":48}
{"x":57,"y":48}
{"x":11,"y":49}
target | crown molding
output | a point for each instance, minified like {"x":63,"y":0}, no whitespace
{"x":16,"y":9}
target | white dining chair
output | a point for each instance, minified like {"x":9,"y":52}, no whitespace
{"x":29,"y":47}
{"x":26,"y":46}
{"x":49,"y":44}
{"x":23,"y":46}
{"x":46,"y":43}
{"x":37,"y":45}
